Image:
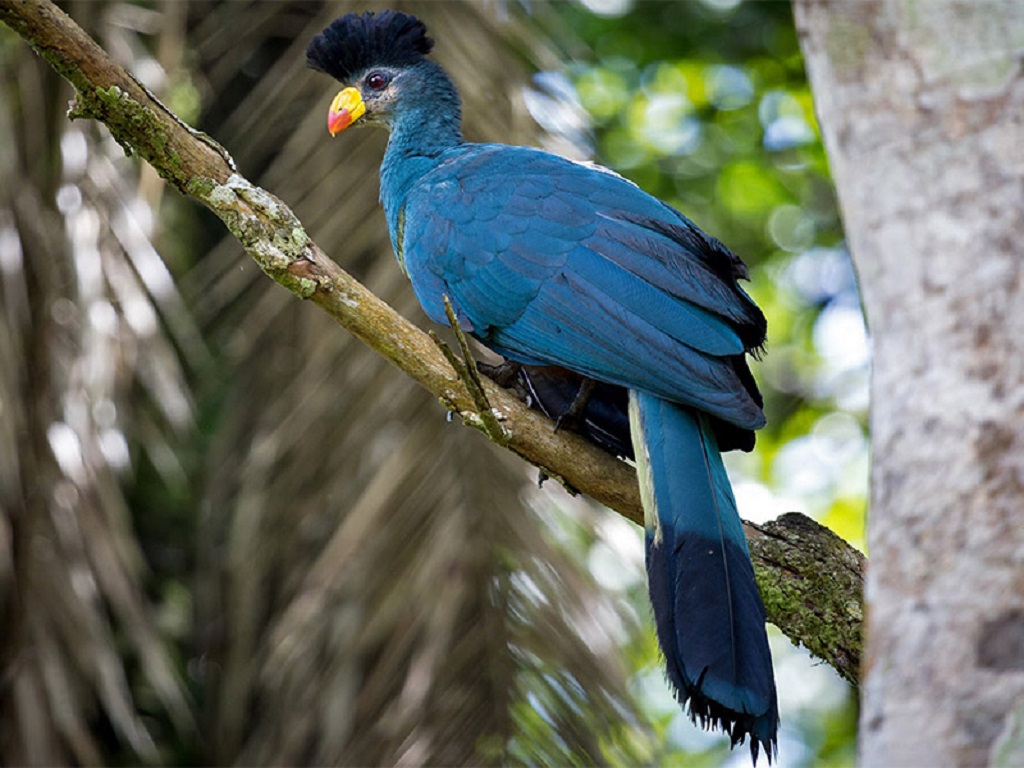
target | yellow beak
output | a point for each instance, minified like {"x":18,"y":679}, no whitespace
{"x":346,"y":108}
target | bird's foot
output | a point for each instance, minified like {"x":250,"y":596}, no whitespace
{"x":504,"y":374}
{"x":572,"y":417}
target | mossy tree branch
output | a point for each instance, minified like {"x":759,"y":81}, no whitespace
{"x":810,"y":579}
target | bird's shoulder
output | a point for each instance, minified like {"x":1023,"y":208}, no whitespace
{"x":484,"y":204}
{"x":526,"y":173}
{"x":521,"y":189}
{"x":480,"y":200}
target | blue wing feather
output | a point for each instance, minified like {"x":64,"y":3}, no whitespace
{"x":541,"y":256}
{"x":558,"y":326}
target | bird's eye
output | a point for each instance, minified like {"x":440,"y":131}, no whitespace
{"x":377,"y":80}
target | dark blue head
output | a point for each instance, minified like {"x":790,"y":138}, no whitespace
{"x":381,"y":58}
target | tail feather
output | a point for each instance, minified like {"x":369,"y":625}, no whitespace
{"x":708,"y":612}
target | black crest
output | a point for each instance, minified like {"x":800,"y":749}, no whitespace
{"x":354,"y":42}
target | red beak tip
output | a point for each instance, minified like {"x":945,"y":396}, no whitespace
{"x":338,"y":121}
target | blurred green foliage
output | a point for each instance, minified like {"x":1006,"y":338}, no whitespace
{"x":706,"y":105}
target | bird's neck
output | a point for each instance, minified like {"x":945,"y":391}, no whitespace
{"x":421,"y":132}
{"x":424,"y":131}
{"x":414,"y":148}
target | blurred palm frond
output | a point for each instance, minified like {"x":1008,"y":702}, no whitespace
{"x":86,"y":367}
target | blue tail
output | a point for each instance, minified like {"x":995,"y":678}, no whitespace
{"x":709,"y":615}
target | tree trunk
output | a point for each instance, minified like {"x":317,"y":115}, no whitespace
{"x":922,"y":109}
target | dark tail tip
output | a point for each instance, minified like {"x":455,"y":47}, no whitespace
{"x":762,"y":729}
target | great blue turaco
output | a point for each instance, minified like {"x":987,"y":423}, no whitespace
{"x":551,"y":262}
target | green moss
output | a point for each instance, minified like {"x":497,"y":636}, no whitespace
{"x":135,"y":128}
{"x":290,"y":239}
{"x":200,"y":187}
{"x":109,"y":96}
{"x":812,"y":602}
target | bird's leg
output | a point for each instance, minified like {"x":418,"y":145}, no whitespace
{"x":573,"y":415}
{"x":503,"y":374}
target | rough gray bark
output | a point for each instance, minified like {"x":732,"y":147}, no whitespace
{"x":922,"y":108}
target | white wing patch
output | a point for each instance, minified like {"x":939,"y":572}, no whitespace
{"x":643,"y":468}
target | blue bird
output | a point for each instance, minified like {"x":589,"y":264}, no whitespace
{"x":550,"y":262}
